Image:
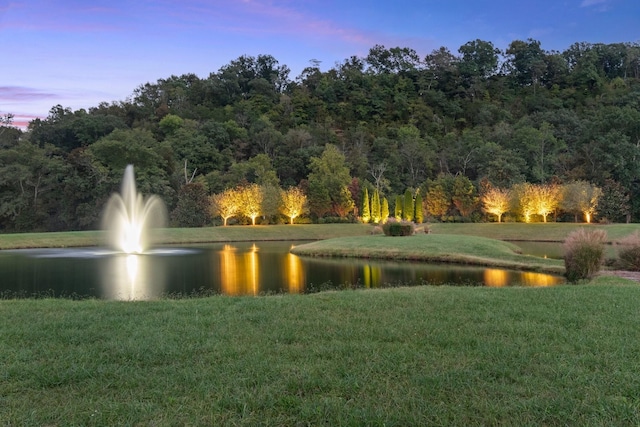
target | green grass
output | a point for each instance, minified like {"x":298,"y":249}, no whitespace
{"x":432,"y":248}
{"x":189,"y":235}
{"x":542,"y":232}
{"x":566,"y":355}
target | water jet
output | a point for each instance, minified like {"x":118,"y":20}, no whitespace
{"x":129,"y":217}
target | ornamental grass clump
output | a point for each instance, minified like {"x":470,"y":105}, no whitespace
{"x":629,"y":252}
{"x":398,"y":228}
{"x":583,"y":253}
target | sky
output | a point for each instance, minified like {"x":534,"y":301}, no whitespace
{"x":79,"y":53}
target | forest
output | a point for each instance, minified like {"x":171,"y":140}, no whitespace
{"x":450,"y":124}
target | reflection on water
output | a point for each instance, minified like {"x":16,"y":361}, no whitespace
{"x":231,"y":269}
{"x":496,"y":278}
{"x":130,"y":277}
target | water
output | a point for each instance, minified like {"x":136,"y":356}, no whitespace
{"x":230,"y":269}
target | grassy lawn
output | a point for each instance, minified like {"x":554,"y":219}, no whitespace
{"x":432,"y":248}
{"x":189,"y":235}
{"x":558,"y":356}
{"x":549,"y":232}
{"x":552,"y":232}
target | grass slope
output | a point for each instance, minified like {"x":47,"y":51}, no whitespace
{"x":558,"y":356}
{"x":542,"y":232}
{"x":432,"y":248}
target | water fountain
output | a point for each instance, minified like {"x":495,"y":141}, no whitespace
{"x":129,"y":217}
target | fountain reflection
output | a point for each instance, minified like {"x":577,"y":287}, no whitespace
{"x":132,"y":278}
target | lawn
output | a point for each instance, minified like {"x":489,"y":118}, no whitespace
{"x":566,"y":355}
{"x":432,"y":248}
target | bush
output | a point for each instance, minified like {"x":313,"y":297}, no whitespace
{"x":583,"y":253}
{"x":398,"y":228}
{"x":629,"y":253}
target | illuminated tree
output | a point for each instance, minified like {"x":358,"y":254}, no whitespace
{"x":384,"y":210}
{"x":375,"y":207}
{"x":546,"y":199}
{"x":225,"y":204}
{"x":398,"y":207}
{"x":408,"y":206}
{"x":293,"y":203}
{"x":250,"y":201}
{"x":580,"y":197}
{"x":495,"y":201}
{"x":419,"y":216}
{"x":366,"y":211}
{"x":523,"y":200}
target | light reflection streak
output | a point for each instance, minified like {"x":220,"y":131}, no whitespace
{"x":294,"y":274}
{"x":496,"y":278}
{"x":132,"y":277}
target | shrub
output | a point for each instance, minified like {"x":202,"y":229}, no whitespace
{"x":398,"y":228}
{"x":583,"y":253}
{"x":629,"y":252}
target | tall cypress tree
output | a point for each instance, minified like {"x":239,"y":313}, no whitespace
{"x":407,"y":208}
{"x":366,"y":212}
{"x":384,"y":210}
{"x":419,"y":216}
{"x":398,"y":207}
{"x":375,"y":207}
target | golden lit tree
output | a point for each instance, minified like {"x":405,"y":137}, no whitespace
{"x":225,"y":204}
{"x":523,"y":200}
{"x":375,"y":207}
{"x":250,"y":201}
{"x":546,"y":199}
{"x":366,"y":211}
{"x":495,"y":201}
{"x":580,"y":197}
{"x":384,"y":210}
{"x":293,"y":203}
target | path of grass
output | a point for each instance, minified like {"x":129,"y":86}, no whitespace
{"x":432,"y":248}
{"x":450,"y":356}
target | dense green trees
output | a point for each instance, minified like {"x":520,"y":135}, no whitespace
{"x":387,"y":121}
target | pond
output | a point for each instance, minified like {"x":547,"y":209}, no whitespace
{"x":230,"y":269}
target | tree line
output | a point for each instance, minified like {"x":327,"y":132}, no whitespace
{"x":386,"y":122}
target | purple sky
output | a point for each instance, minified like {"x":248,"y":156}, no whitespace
{"x":78,"y":53}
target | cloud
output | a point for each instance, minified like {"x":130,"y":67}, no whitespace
{"x":21,"y":93}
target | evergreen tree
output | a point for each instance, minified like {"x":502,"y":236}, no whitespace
{"x":408,"y":208}
{"x":375,"y":207}
{"x":366,"y":212}
{"x":398,"y":207}
{"x":419,"y":217}
{"x":384,"y":210}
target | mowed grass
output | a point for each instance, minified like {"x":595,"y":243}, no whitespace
{"x":189,"y":235}
{"x":550,"y":232}
{"x":442,"y":356}
{"x":432,"y":248}
{"x":541,"y":232}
